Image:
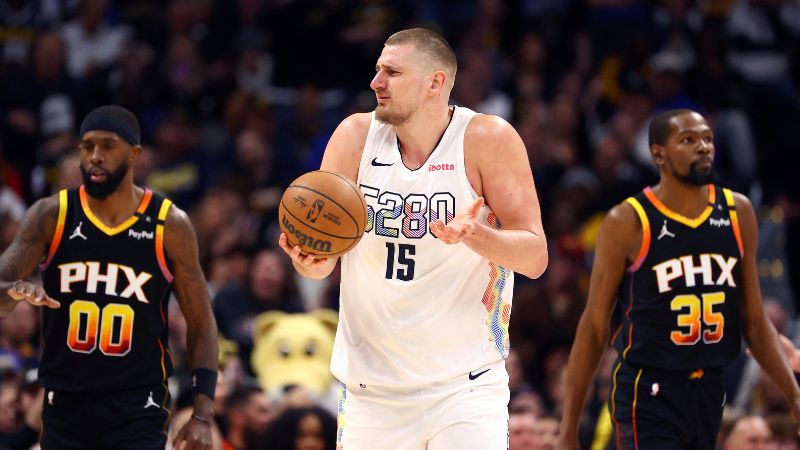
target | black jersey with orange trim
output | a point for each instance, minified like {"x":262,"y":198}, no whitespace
{"x":110,"y":332}
{"x":679,"y":301}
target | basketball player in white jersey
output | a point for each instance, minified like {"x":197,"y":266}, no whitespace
{"x":426,"y":294}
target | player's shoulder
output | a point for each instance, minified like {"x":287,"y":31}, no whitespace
{"x":176,"y":218}
{"x":623,"y":215}
{"x":355,"y":125}
{"x":740,"y":201}
{"x":489,"y":127}
{"x":46,"y":207}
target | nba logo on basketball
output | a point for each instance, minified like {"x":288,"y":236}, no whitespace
{"x":316,"y":209}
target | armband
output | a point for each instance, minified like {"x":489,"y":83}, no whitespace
{"x":204,"y":381}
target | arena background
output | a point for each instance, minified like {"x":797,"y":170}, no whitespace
{"x":236,"y":98}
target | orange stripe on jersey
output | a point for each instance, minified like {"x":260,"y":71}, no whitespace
{"x":163,"y":365}
{"x":693,"y":223}
{"x":614,"y":402}
{"x":162,"y":260}
{"x":148,"y":195}
{"x":630,"y":323}
{"x":633,"y":413}
{"x":111,"y":231}
{"x":59,"y":233}
{"x":645,"y":234}
{"x":734,"y":219}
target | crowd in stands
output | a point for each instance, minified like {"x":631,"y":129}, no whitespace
{"x":237,"y":98}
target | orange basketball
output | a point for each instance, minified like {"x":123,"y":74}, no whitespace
{"x":324,"y":213}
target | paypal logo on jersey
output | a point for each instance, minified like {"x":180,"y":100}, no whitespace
{"x":139,"y":235}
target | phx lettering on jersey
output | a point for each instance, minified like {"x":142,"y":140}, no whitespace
{"x":89,"y":272}
{"x":685,"y":267}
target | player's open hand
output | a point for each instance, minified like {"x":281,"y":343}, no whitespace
{"x":195,"y":435}
{"x":462,"y":225}
{"x":307,"y":260}
{"x":31,"y":293}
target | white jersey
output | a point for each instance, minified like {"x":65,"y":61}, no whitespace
{"x":414,"y":310}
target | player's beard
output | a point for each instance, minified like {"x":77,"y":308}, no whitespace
{"x":396,"y":117}
{"x":697,"y":177}
{"x":109,"y":186}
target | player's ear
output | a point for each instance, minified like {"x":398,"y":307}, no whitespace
{"x":438,"y":80}
{"x":657,"y":153}
{"x":136,"y":150}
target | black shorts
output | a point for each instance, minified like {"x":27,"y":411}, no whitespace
{"x":653,"y":409}
{"x":135,"y":419}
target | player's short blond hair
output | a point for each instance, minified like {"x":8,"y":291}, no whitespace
{"x":431,"y":44}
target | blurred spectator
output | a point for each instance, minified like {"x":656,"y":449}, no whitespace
{"x":784,"y":431}
{"x":746,"y":433}
{"x":269,"y":288}
{"x":546,"y":430}
{"x":249,"y":412}
{"x":19,"y":336}
{"x":92,"y":43}
{"x":303,"y":429}
{"x":522,"y":431}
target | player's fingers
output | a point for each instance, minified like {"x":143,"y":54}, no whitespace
{"x":50,"y":303}
{"x":283,"y":242}
{"x":476,"y":206}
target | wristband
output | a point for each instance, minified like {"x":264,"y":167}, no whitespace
{"x":200,"y":419}
{"x":204,"y":381}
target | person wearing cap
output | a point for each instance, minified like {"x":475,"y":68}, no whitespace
{"x":110,"y":253}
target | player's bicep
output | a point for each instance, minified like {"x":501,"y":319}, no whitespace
{"x":506,"y":177}
{"x":31,"y":242}
{"x":619,"y":238}
{"x":748,"y":229}
{"x":344,"y":149}
{"x":189,"y":283}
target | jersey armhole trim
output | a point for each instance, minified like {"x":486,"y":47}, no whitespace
{"x":645,"y":247}
{"x":162,"y":260}
{"x":59,"y":233}
{"x":734,"y":219}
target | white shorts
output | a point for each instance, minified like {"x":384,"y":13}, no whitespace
{"x":469,"y":412}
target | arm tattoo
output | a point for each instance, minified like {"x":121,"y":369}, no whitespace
{"x":191,"y":290}
{"x":31,"y":242}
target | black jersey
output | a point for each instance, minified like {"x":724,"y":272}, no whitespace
{"x":113,"y":284}
{"x":679,"y":302}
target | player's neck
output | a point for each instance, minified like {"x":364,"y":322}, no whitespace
{"x":419,"y":137}
{"x":684,"y":198}
{"x":118,"y":206}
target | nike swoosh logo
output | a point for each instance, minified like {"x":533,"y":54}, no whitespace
{"x":473,"y":376}
{"x":380,"y":164}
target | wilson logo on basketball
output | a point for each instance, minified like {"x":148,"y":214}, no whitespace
{"x":300,"y":238}
{"x":443,"y":166}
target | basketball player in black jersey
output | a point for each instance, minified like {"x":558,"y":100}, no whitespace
{"x":110,"y":252}
{"x":679,"y":262}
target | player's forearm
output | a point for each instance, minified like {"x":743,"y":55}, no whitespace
{"x":583,"y":361}
{"x":519,"y":250}
{"x":763,"y":341}
{"x":202,"y":345}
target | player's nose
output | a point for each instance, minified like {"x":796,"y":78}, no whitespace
{"x":378,"y":81}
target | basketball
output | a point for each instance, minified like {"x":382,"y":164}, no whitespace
{"x":324,"y":213}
